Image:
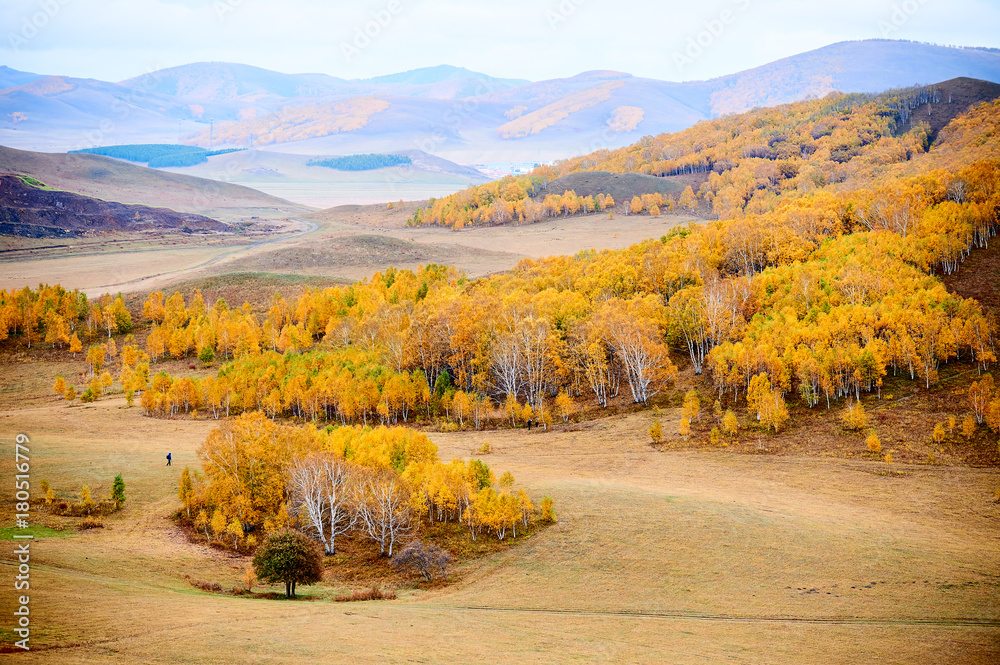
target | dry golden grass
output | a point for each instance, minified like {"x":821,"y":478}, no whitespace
{"x":345,"y":243}
{"x":658,"y":556}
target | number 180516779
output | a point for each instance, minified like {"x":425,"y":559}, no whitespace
{"x":22,"y":479}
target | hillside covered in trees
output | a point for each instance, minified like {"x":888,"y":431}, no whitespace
{"x":749,"y":164}
{"x":820,"y":300}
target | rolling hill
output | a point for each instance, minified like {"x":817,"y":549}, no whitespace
{"x":461,"y":115}
{"x":750,"y":162}
{"x":29,"y":208}
{"x":124,"y":182}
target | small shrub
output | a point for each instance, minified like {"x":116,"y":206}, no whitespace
{"x":373,"y":593}
{"x":428,"y":559}
{"x":874,"y":445}
{"x":939,"y":433}
{"x":656,"y":431}
{"x":206,"y":586}
{"x":90,"y":523}
{"x":548,"y":514}
{"x":85,"y":497}
{"x":485,"y":449}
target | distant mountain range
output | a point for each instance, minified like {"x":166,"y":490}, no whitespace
{"x":448,"y":111}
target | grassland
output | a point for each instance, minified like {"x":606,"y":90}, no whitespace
{"x":660,"y":555}
{"x":343,"y":243}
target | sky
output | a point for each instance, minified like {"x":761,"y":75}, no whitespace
{"x":526,"y":39}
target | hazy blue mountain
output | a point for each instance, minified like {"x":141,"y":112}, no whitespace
{"x":12,"y":77}
{"x":463,"y":115}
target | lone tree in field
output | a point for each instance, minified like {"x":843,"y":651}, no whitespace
{"x":656,"y":431}
{"x":118,"y":490}
{"x":289,"y":557}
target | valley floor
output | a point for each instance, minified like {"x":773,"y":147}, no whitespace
{"x":681,"y":557}
{"x":347,"y":243}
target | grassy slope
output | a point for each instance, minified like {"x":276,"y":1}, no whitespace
{"x":684,"y":556}
{"x":115,"y":180}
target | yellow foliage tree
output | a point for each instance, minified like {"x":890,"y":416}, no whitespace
{"x":564,"y":403}
{"x":968,"y":427}
{"x":939,"y":433}
{"x":692,"y":406}
{"x":730,"y":424}
{"x":854,"y":417}
{"x":656,"y":431}
{"x":873,"y":443}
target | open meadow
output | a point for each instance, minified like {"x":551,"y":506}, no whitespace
{"x":658,"y":555}
{"x":347,"y":243}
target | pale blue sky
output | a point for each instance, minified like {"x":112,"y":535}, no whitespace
{"x":532,"y":39}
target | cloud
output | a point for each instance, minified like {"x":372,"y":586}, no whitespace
{"x":534,"y":39}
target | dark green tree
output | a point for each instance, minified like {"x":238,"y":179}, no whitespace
{"x":206,"y":355}
{"x":481,"y":473}
{"x":442,"y":383}
{"x":289,"y":557}
{"x":118,"y":490}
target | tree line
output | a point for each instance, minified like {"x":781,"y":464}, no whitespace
{"x":361,"y":162}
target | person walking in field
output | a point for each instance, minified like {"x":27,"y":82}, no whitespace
{"x":168,"y":459}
